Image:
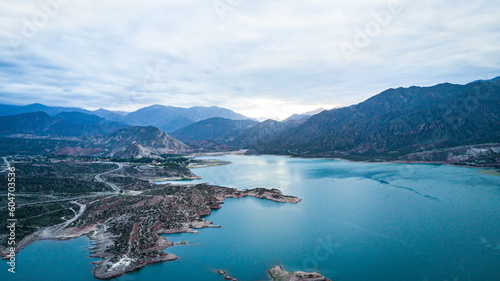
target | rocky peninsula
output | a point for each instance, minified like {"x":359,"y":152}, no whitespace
{"x":125,"y":227}
{"x":127,"y":230}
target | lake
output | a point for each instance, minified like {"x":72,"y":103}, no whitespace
{"x":357,"y":221}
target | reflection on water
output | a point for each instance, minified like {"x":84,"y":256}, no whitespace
{"x":357,"y":221}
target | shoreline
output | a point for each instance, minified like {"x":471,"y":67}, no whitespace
{"x":191,"y":227}
{"x":160,"y":179}
{"x":444,"y":163}
{"x":109,"y":267}
{"x":115,"y":263}
{"x":483,"y":155}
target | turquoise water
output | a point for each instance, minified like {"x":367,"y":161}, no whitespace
{"x":357,"y":221}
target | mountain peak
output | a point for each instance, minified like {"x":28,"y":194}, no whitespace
{"x":305,"y":115}
{"x":152,"y":142}
{"x":171,"y":118}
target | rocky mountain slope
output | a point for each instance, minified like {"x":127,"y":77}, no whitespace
{"x":399,"y":121}
{"x":221,"y":133}
{"x":89,"y":135}
{"x":305,"y":115}
{"x":212,"y":129}
{"x":262,"y":133}
{"x":140,"y":142}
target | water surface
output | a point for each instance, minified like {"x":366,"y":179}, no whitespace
{"x":357,"y":221}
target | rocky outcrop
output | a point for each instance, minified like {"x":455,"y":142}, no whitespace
{"x":140,"y":142}
{"x":126,"y":265}
{"x":279,"y":274}
{"x":263,"y":193}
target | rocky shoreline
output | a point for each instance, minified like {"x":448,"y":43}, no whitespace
{"x":110,"y":267}
{"x":125,"y":229}
{"x":178,"y":178}
{"x":277,"y":273}
{"x":479,"y":155}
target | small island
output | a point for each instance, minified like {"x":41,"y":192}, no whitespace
{"x":279,"y":274}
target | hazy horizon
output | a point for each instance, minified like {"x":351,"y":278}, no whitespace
{"x":260,"y":59}
{"x":259,"y":118}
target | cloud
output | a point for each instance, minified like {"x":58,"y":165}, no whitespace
{"x":124,"y":55}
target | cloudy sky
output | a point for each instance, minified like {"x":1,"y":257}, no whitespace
{"x":259,"y":58}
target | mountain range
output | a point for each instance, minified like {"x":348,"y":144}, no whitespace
{"x":454,"y":121}
{"x":170,"y":118}
{"x":397,"y":122}
{"x":61,"y":125}
{"x":83,"y":134}
{"x":167,"y":118}
{"x":446,"y":122}
{"x":222,"y":134}
{"x":7,"y":109}
{"x":104,"y":132}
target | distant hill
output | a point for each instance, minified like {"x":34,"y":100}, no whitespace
{"x":90,"y":120}
{"x":6,"y":109}
{"x":399,"y":121}
{"x":75,"y":133}
{"x":214,"y":129}
{"x":65,"y":124}
{"x":140,"y":142}
{"x":170,"y":118}
{"x":304,"y":116}
{"x":109,"y":115}
{"x":167,"y":118}
{"x":220,"y":133}
{"x":262,"y":133}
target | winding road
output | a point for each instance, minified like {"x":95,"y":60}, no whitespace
{"x":58,"y":228}
{"x":112,"y":185}
{"x":97,"y":177}
{"x":7,"y":164}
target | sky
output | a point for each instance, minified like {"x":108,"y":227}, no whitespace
{"x":259,"y":58}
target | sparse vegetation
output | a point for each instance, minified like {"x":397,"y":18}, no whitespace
{"x":63,"y":194}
